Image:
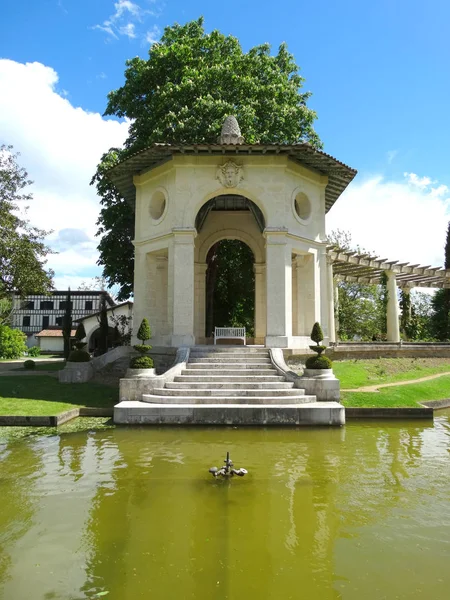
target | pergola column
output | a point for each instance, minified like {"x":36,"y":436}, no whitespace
{"x":260,"y":301}
{"x":331,"y":318}
{"x":200,"y":300}
{"x":279,"y":289}
{"x":181,"y":286}
{"x":392,"y":310}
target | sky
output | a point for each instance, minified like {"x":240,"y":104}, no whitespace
{"x":379,"y":73}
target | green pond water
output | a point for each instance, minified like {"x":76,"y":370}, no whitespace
{"x":361,"y":512}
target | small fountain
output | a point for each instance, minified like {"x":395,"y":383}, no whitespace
{"x":227,"y":470}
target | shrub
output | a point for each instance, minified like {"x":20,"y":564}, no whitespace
{"x":12,"y":342}
{"x":34,"y":351}
{"x":144,"y":333}
{"x":29,"y":364}
{"x":142,"y":348}
{"x":141,"y":362}
{"x":317,"y":333}
{"x":79,"y":356}
{"x":318,"y":362}
{"x":318,"y":349}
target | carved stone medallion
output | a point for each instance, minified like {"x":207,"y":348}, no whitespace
{"x":230,"y":174}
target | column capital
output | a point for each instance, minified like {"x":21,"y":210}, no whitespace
{"x":184,"y":235}
{"x":259,"y":268}
{"x":275,"y":235}
{"x":200,"y":267}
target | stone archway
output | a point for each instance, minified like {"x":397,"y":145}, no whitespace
{"x":229,"y":217}
{"x":230,"y":287}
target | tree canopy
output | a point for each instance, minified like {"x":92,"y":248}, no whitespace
{"x":22,"y":248}
{"x":191,"y":81}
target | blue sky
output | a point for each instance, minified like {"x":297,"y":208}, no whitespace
{"x":379,"y":73}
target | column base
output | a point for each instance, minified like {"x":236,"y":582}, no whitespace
{"x":183,"y":340}
{"x":278,"y":341}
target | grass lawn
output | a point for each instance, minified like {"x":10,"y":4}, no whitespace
{"x":43,"y":396}
{"x":404,"y":395}
{"x":358,"y":373}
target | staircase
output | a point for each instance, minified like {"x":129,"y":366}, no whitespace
{"x":226,"y":385}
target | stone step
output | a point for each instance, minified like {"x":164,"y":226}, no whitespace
{"x":244,"y":392}
{"x":263,"y":385}
{"x":232,"y":351}
{"x":230,"y":366}
{"x":314,"y":413}
{"x":223,"y":360}
{"x":188,"y":399}
{"x":228,"y":378}
{"x":235,"y":371}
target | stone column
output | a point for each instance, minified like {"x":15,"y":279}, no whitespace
{"x":336,"y":308}
{"x":324,"y":293}
{"x":200,"y":300}
{"x":260,"y":305}
{"x":279,"y":289}
{"x":181,"y":286}
{"x":330,"y":286}
{"x":392,"y":312}
{"x":141,"y":277}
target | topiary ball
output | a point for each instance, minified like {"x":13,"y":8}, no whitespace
{"x":142,"y":348}
{"x":318,"y":362}
{"x":79,"y":356}
{"x":141,"y":362}
{"x":29,"y":364}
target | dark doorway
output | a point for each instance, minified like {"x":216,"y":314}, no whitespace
{"x":230,"y":287}
{"x":94,"y":340}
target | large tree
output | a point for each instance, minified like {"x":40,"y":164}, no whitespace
{"x":182,"y":93}
{"x":22,"y":248}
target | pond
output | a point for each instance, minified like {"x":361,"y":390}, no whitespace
{"x":130,"y":513}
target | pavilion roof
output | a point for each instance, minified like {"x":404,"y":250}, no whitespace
{"x":363,"y":268}
{"x":339,"y":174}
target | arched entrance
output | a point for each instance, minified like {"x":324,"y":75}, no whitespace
{"x":94,"y":342}
{"x":229,"y":268}
{"x":230,"y":287}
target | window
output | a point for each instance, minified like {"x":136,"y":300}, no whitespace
{"x":63,"y":304}
{"x":26,"y":321}
{"x":88,"y":305}
{"x":28,"y":305}
{"x":45,"y":322}
{"x":46,"y":305}
{"x":59,"y":321}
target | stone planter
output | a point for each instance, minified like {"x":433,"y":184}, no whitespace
{"x":131,"y":373}
{"x":76,"y":372}
{"x":320,"y":383}
{"x":319,"y":373}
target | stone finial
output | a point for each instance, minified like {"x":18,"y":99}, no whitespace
{"x":231,"y":132}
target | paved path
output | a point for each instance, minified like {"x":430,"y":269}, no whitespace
{"x":375,"y":388}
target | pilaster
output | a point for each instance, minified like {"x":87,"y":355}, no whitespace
{"x":181,"y":286}
{"x":279,"y":288}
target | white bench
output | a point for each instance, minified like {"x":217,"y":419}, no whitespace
{"x":228,"y":333}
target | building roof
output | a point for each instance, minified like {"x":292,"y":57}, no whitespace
{"x":53,"y":333}
{"x":339,"y":174}
{"x":75,"y":293}
{"x":110,"y":309}
{"x":364,"y":268}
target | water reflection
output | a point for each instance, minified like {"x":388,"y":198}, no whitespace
{"x":323,"y":514}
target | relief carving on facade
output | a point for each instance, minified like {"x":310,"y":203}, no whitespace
{"x":230,"y":174}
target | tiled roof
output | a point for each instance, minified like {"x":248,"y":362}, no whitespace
{"x":339,"y":174}
{"x":53,"y":333}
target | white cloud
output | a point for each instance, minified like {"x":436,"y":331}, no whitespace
{"x":152,"y":36}
{"x":127,"y":30}
{"x":391,"y":154}
{"x":123,"y":21}
{"x":399,"y":220}
{"x":60,"y":146}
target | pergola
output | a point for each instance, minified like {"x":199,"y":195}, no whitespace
{"x":357,"y":267}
